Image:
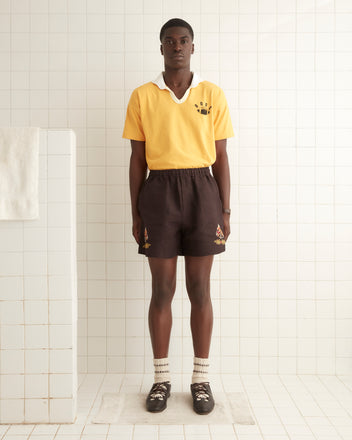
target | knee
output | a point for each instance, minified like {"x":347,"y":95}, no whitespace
{"x":162,"y":293}
{"x":199,"y":293}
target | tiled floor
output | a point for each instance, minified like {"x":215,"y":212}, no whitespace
{"x":284,"y":407}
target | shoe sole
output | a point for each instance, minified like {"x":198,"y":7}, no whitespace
{"x":157,"y":411}
{"x":203,"y":413}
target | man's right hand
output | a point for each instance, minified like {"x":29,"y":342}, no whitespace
{"x":137,"y":174}
{"x":136,"y":228}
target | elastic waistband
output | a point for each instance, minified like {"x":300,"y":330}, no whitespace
{"x":181,"y":172}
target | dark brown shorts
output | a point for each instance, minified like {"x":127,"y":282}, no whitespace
{"x":181,"y":214}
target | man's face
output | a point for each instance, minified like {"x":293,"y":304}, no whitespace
{"x":177,"y":47}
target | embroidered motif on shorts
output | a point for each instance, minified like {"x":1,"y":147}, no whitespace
{"x":220,"y":235}
{"x":146,"y":244}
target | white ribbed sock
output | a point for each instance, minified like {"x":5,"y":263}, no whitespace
{"x":200,"y":370}
{"x":161,"y":370}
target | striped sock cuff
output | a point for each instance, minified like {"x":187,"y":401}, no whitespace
{"x":161,"y":370}
{"x":200,"y":370}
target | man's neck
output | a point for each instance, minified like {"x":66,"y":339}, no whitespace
{"x":176,"y":79}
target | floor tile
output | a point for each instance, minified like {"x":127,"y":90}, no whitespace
{"x":20,"y":429}
{"x":287,"y":407}
{"x":42,"y":437}
{"x":68,"y":437}
{"x":45,"y":429}
{"x":16,"y":437}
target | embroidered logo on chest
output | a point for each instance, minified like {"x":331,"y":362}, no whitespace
{"x":203,"y":108}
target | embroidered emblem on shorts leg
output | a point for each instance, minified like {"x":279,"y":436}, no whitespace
{"x":220,"y":235}
{"x":146,"y":244}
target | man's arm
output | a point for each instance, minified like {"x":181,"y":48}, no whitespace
{"x":221,"y":173}
{"x":138,"y":172}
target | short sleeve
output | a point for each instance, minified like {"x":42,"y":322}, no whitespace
{"x":222,"y":120}
{"x":133,"y":128}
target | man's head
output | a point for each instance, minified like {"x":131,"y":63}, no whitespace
{"x":176,"y":22}
{"x":176,"y":37}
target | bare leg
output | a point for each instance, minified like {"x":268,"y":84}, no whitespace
{"x":198,"y":287}
{"x":163,"y":272}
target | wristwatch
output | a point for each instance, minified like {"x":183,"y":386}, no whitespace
{"x":226,"y":211}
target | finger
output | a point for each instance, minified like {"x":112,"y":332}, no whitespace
{"x":135,"y":234}
{"x":227,"y":232}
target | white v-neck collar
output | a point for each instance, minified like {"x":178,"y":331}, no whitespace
{"x":159,"y":81}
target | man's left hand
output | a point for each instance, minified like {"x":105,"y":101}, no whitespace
{"x":227,"y":228}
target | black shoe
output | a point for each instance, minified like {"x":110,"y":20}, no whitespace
{"x":157,"y":397}
{"x":203,"y":401}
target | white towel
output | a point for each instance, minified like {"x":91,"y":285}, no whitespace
{"x":19,"y":164}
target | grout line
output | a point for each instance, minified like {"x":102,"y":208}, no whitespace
{"x":47,"y":276}
{"x":348,"y":389}
{"x":239,"y":201}
{"x":67,"y":65}
{"x":218,"y":281}
{"x":311,"y":393}
{"x":348,"y":410}
{"x":347,"y":385}
{"x":209,"y":432}
{"x":24,"y":305}
{"x":258,"y":193}
{"x":89,"y":415}
{"x":334,"y":190}
{"x":316,"y":219}
{"x":124,"y":200}
{"x":294,"y":402}
{"x":296,"y":190}
{"x":277,"y":197}
{"x":250,"y":406}
{"x":106,"y":168}
{"x":85,"y":224}
{"x":273,"y":403}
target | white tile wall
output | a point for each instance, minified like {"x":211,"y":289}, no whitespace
{"x":38,"y":296}
{"x":282,"y":291}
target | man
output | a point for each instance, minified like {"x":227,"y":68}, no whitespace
{"x":178,"y":126}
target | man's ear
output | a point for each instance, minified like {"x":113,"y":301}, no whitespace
{"x":192,"y":48}
{"x":161,"y":49}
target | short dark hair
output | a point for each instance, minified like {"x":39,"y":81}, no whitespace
{"x":173,"y":23}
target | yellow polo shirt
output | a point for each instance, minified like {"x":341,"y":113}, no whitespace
{"x":178,"y":133}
